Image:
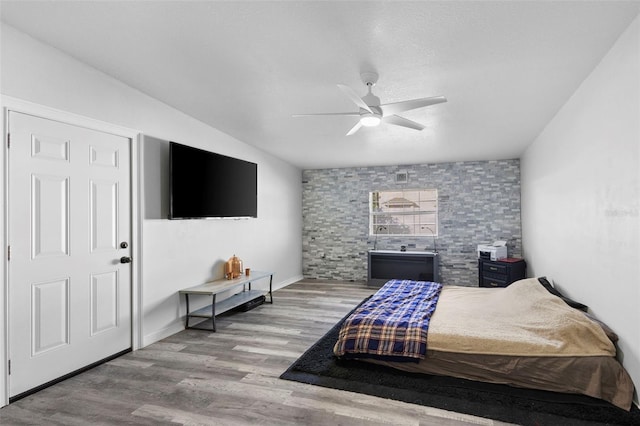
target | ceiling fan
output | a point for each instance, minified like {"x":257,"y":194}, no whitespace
{"x":371,"y":112}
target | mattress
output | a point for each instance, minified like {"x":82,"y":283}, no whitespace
{"x":600,"y":377}
{"x":521,"y":336}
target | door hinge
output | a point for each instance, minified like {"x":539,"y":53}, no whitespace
{"x":9,"y":140}
{"x":8,"y":252}
{"x":9,"y":367}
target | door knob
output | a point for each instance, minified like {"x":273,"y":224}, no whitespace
{"x":125,"y":259}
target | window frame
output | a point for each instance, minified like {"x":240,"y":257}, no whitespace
{"x":431,"y":226}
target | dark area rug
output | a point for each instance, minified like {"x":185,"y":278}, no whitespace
{"x":318,"y":366}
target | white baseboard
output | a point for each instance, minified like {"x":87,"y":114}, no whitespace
{"x":288,"y":282}
{"x":178,"y":325}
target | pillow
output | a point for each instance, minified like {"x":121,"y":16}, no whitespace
{"x":607,"y":330}
{"x":551,"y":289}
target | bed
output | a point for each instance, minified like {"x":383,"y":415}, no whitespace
{"x":520,"y":335}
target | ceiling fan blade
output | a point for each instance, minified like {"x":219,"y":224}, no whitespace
{"x":354,"y":129}
{"x":354,"y":114}
{"x":400,"y":121}
{"x":354,"y":97}
{"x":394,"y":108}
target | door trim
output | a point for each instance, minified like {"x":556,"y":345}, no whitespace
{"x":10,"y":104}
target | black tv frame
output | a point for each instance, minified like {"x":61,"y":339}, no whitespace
{"x":206,"y":185}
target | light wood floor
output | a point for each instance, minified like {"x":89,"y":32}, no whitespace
{"x":229,"y":377}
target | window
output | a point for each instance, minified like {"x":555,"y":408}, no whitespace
{"x":404,"y":212}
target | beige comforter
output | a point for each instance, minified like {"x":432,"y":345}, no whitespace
{"x":523,"y":319}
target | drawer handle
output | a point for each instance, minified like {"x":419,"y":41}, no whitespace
{"x":494,"y":284}
{"x":493,"y":268}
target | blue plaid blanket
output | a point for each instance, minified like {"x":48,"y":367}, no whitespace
{"x":392,"y":324}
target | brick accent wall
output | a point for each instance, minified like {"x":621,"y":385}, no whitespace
{"x":479,"y":202}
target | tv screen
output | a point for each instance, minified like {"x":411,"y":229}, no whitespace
{"x":205,"y":184}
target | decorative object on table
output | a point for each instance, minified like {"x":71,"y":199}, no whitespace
{"x":228,"y":269}
{"x":233,"y":268}
{"x":247,"y":272}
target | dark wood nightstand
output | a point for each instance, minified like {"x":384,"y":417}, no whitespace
{"x":500,"y":273}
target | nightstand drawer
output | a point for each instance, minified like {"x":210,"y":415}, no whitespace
{"x":493,"y":282}
{"x":492,"y":268}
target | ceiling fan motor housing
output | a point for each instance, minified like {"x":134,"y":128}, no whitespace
{"x":371,"y":100}
{"x":369,"y":78}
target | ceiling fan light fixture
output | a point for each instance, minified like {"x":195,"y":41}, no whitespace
{"x":370,"y":120}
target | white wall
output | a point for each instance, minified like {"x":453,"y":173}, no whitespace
{"x":580,"y":196}
{"x":176,"y":254}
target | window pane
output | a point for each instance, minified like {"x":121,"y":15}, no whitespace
{"x":404,"y":212}
{"x":428,"y":205}
{"x":427,"y":218}
{"x":399,"y":229}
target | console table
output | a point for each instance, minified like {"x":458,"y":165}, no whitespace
{"x":212,"y":288}
{"x":405,"y":265}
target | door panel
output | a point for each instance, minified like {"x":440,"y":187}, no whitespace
{"x":69,"y":209}
{"x":50,"y":311}
{"x":104,"y":302}
{"x":50,"y":215}
{"x":104,"y":156}
{"x":104,"y":215}
{"x":49,"y":148}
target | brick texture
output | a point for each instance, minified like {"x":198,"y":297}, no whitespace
{"x":479,"y":202}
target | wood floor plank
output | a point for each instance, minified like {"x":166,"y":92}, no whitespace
{"x":230,"y":377}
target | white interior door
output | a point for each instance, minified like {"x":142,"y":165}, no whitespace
{"x":69,"y":226}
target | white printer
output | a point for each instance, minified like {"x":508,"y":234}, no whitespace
{"x":495,"y":251}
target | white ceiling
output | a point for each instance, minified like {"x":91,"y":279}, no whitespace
{"x":246,"y":67}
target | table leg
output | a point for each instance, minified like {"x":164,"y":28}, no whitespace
{"x":213,"y":313}
{"x":270,"y":290}
{"x":186,"y":296}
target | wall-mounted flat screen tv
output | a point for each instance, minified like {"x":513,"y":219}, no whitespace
{"x":204,"y":184}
